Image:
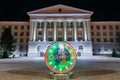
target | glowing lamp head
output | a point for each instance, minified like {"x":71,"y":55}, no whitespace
{"x":60,"y":57}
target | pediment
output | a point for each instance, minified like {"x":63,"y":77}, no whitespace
{"x":60,"y":9}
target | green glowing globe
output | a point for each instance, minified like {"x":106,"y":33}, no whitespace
{"x":60,"y":57}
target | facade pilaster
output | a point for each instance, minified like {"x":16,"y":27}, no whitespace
{"x":75,"y":31}
{"x":65,"y":32}
{"x":54,"y":30}
{"x":45,"y":25}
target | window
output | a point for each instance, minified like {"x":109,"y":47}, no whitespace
{"x":61,"y":26}
{"x":28,"y":27}
{"x":40,"y":32}
{"x":10,"y":26}
{"x":117,"y":27}
{"x":59,"y":32}
{"x":81,"y":25}
{"x":98,"y":27}
{"x":91,"y":27}
{"x":117,"y":33}
{"x":105,"y":39}
{"x":104,"y":27}
{"x":27,"y":33}
{"x":104,"y":34}
{"x":50,"y":39}
{"x":22,"y":27}
{"x":98,"y":33}
{"x":69,"y":32}
{"x":111,"y":39}
{"x":40,"y":24}
{"x":16,"y":27}
{"x":80,"y":47}
{"x":92,"y":33}
{"x":49,"y":32}
{"x":21,"y":34}
{"x":27,"y":39}
{"x":52,"y":25}
{"x":60,"y":39}
{"x":98,"y":40}
{"x":21,"y":40}
{"x":48,"y":24}
{"x":117,"y":39}
{"x":92,"y":39}
{"x":15,"y":34}
{"x":79,"y":32}
{"x":69,"y":39}
{"x":111,"y":33}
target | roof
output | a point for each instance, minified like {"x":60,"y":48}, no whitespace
{"x":60,"y":9}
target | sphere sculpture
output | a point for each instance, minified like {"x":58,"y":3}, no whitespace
{"x":60,"y":57}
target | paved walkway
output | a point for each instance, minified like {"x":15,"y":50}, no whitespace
{"x":87,"y":68}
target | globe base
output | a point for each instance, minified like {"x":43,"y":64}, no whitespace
{"x":58,"y":76}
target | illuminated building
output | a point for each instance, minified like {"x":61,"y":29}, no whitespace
{"x":63,"y":23}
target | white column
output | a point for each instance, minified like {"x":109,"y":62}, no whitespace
{"x":88,"y":30}
{"x":85,"y":30}
{"x":54,"y":30}
{"x":75,"y":31}
{"x":44,"y":37}
{"x":31,"y":31}
{"x":34,"y":30}
{"x":65,"y":33}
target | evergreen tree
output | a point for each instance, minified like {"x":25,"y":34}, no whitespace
{"x":114,"y":54}
{"x":7,"y":42}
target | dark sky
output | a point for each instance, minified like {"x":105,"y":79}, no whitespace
{"x":15,"y":10}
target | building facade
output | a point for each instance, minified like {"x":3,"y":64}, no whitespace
{"x":63,"y":23}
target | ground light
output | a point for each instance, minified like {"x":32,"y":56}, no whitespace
{"x":60,"y":57}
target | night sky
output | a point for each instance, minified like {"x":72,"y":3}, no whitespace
{"x":15,"y":10}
